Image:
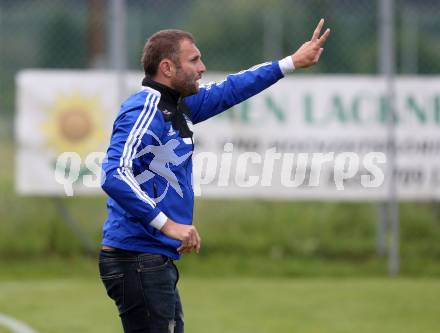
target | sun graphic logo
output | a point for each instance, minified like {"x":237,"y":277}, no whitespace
{"x":74,"y":124}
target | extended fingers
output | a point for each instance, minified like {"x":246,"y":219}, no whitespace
{"x":324,"y":37}
{"x":317,"y":31}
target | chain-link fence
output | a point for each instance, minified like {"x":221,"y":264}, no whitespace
{"x":232,"y":34}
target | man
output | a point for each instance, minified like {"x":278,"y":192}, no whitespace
{"x":148,"y":173}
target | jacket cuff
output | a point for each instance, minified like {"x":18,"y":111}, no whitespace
{"x":286,"y":65}
{"x":159,"y":221}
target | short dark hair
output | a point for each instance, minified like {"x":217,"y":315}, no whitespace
{"x":163,"y":44}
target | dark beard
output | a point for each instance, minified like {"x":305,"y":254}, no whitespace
{"x":185,"y":84}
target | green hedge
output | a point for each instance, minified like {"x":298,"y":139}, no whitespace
{"x":287,"y":236}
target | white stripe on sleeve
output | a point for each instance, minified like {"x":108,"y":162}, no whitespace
{"x":130,"y":137}
{"x":136,"y":188}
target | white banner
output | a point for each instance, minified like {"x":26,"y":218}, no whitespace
{"x":307,"y":137}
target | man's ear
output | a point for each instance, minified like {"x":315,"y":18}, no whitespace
{"x":167,"y":67}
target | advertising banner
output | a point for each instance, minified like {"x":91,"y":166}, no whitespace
{"x":306,"y":137}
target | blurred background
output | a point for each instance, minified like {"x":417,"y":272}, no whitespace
{"x":325,"y":265}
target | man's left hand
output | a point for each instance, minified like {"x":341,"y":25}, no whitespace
{"x":308,"y":54}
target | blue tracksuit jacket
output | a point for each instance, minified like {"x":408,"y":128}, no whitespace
{"x":147,"y":172}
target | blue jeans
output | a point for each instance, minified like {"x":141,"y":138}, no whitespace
{"x":143,"y":287}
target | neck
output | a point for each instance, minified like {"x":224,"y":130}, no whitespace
{"x":166,"y":91}
{"x":163,"y":80}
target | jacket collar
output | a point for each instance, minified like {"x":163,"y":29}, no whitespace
{"x":166,"y":92}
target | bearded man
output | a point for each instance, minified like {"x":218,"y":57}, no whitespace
{"x":148,"y":172}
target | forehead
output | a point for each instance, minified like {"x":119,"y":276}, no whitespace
{"x":188,"y":49}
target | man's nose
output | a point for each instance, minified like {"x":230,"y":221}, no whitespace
{"x":202,"y":67}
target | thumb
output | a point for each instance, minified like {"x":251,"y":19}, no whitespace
{"x":318,"y":54}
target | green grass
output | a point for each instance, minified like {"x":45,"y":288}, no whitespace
{"x":239,"y":305}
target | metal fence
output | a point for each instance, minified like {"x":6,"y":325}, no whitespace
{"x":232,"y":34}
